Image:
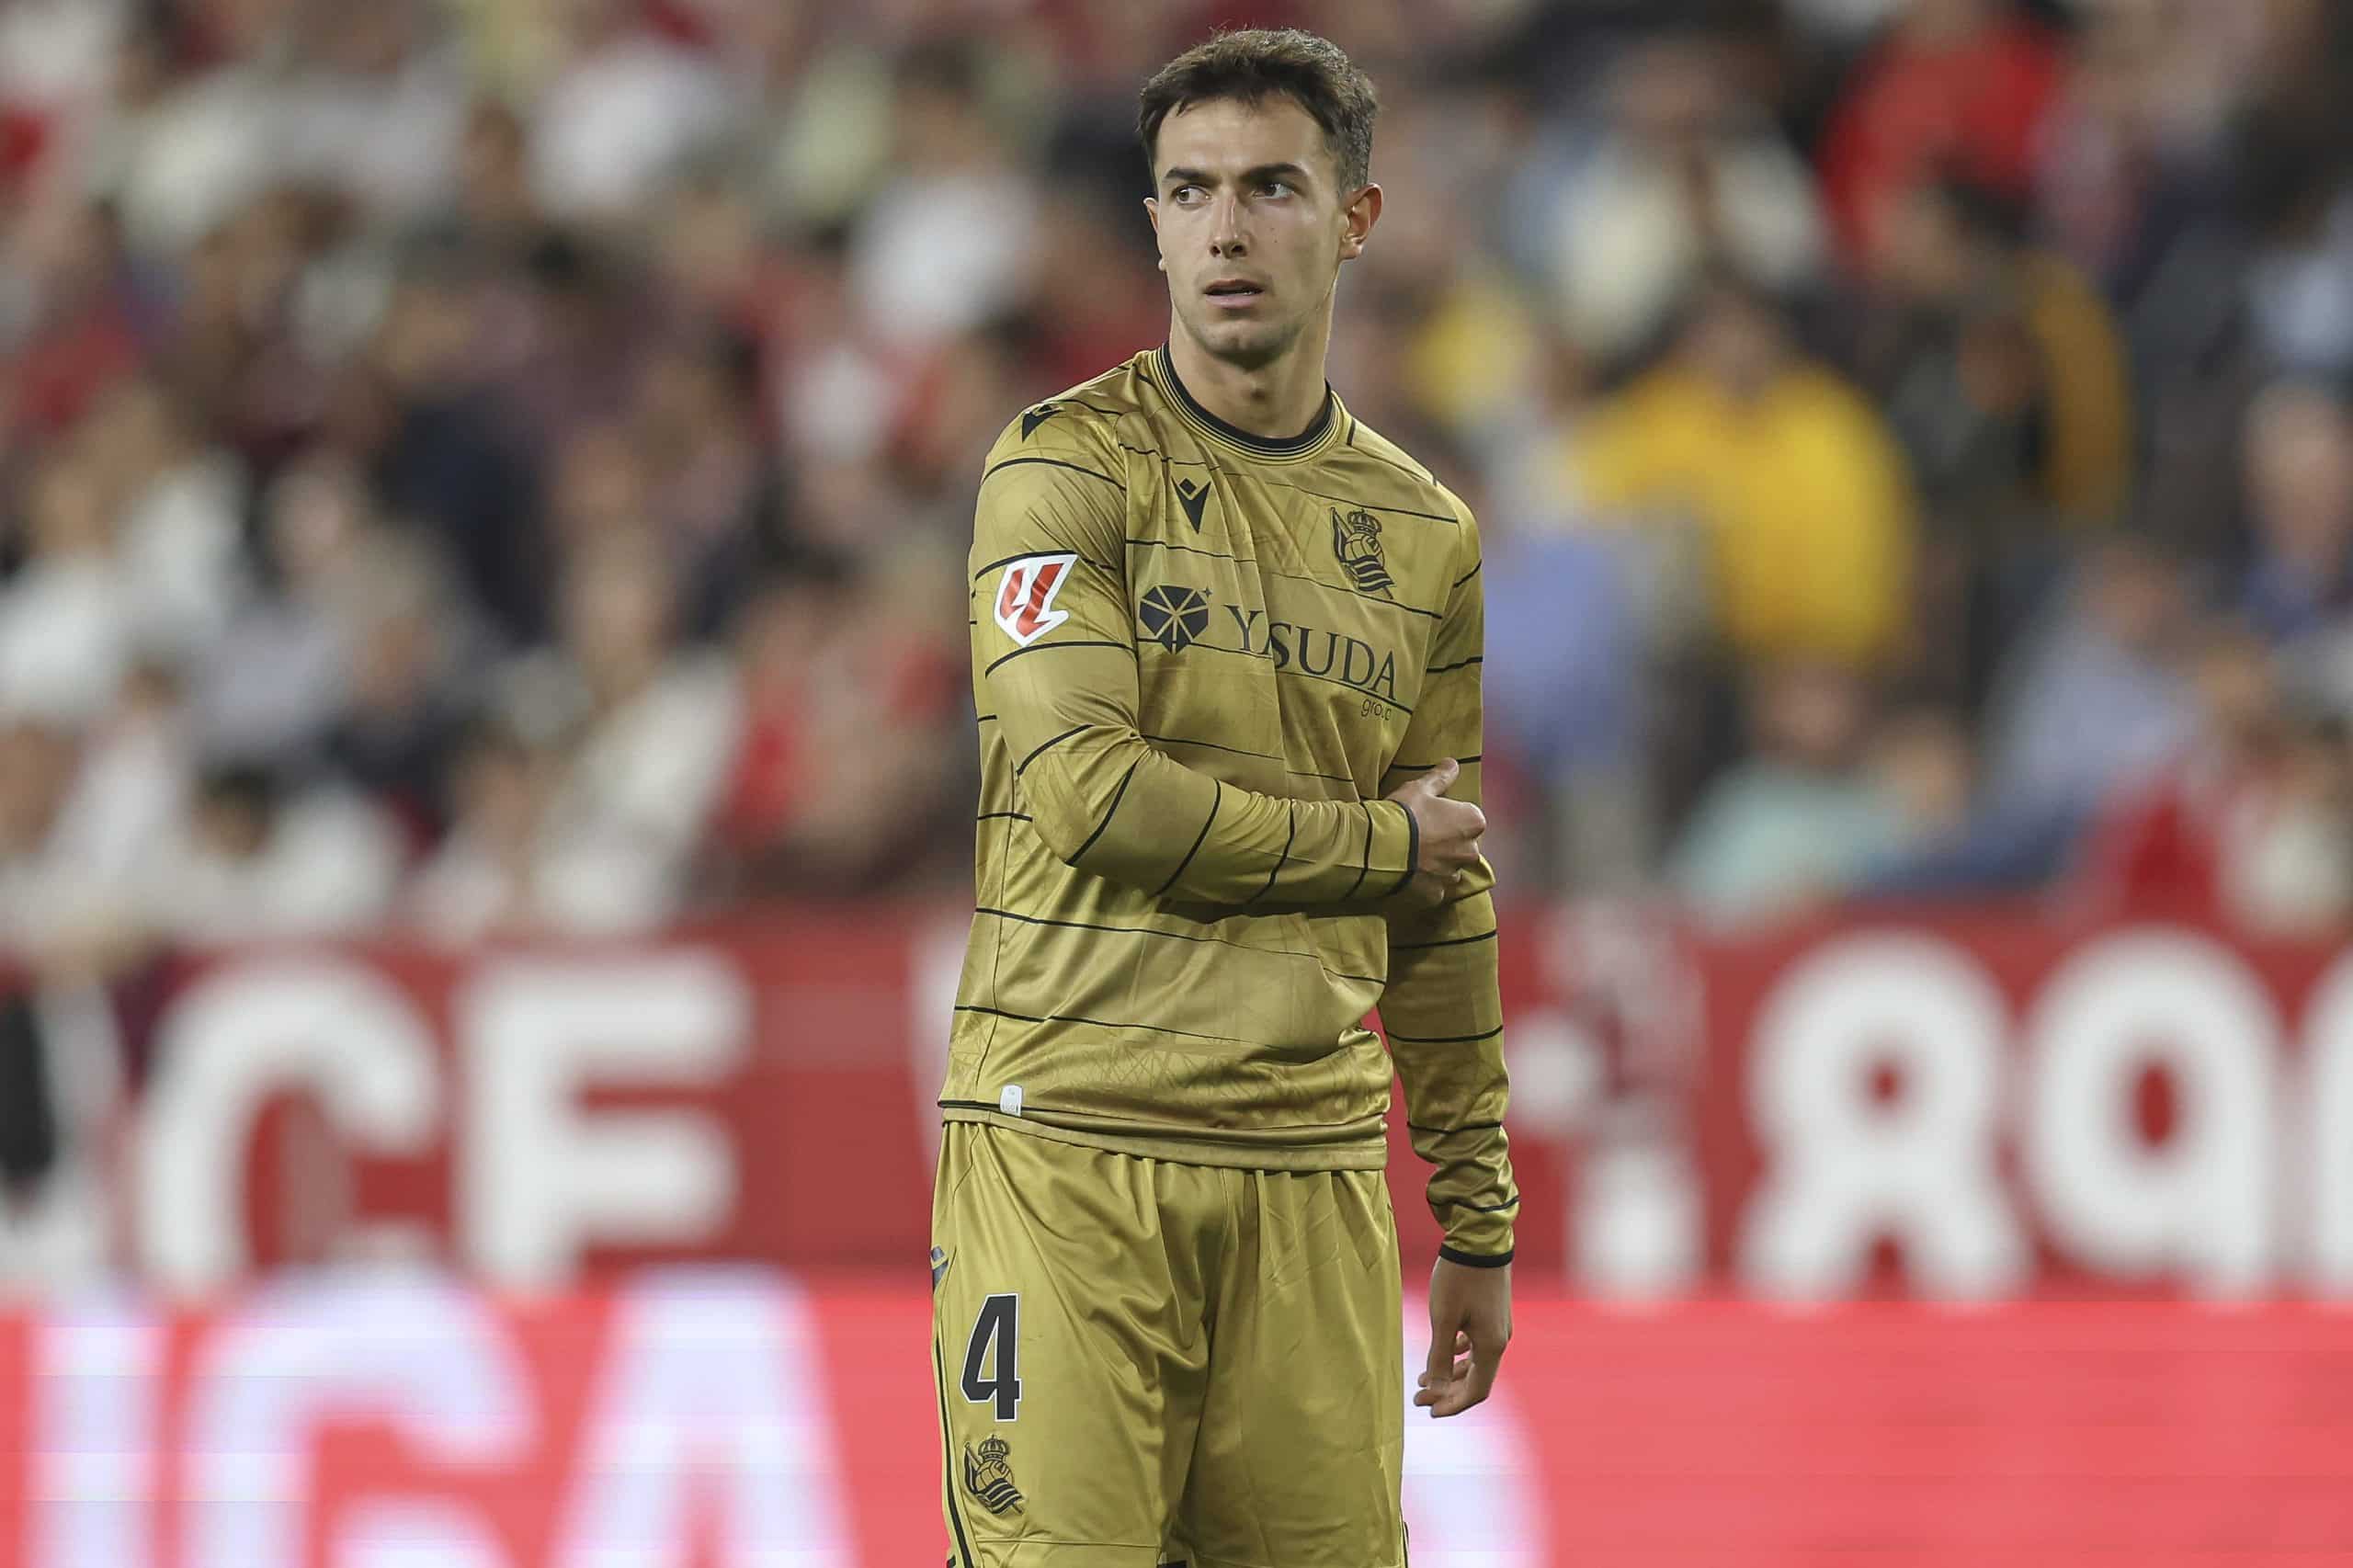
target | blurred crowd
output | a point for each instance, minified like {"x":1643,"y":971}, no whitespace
{"x":486,"y":466}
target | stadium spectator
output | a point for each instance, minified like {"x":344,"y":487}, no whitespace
{"x":1687,"y":177}
{"x":2247,"y":822}
{"x":642,"y":730}
{"x":1963,"y":84}
{"x":257,"y":856}
{"x":2004,"y":377}
{"x":1800,"y":819}
{"x":2299,"y":458}
{"x":1799,"y":490}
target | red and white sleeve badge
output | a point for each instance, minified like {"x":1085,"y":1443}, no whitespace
{"x":1024,"y":595}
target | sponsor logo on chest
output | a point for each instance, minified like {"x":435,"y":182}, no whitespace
{"x":1176,"y":617}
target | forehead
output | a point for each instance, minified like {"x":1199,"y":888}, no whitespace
{"x":1228,"y":136}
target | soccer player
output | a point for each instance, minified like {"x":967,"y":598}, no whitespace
{"x":1226,"y":649}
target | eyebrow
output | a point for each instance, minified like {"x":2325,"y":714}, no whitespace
{"x":1249,"y":176}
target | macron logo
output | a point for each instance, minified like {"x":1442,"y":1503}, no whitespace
{"x":1025,"y":596}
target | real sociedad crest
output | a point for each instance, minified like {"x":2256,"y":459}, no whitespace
{"x":1355,"y":540}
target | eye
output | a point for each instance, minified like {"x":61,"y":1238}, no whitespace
{"x":1185,"y":195}
{"x":1275,"y":187}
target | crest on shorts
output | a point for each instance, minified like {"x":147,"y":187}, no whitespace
{"x":1355,"y":540}
{"x":988,"y":1476}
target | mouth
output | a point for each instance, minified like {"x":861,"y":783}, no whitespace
{"x":1234,"y":293}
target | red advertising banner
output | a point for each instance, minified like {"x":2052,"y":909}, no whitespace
{"x":723,"y":1418}
{"x":1974,"y":1106}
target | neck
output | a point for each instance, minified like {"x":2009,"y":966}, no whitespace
{"x":1277,"y":400}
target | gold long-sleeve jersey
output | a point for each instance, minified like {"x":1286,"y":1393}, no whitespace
{"x":1200,"y":659}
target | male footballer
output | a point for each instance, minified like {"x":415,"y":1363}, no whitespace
{"x":1226,"y":652}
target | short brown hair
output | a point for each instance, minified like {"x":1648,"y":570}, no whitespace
{"x":1255,"y":65}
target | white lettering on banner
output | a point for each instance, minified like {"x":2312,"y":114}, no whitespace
{"x":427,"y":1358}
{"x":713,"y":1388}
{"x":2204,"y":1201}
{"x":95,"y":1368}
{"x":1470,"y":1498}
{"x":415,"y":1534}
{"x":241,"y":1035}
{"x":1843,"y":1172}
{"x":542,"y":1179}
{"x":2325,"y":1143}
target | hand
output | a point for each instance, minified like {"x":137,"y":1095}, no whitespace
{"x":1470,"y":1326}
{"x":1449,"y":833}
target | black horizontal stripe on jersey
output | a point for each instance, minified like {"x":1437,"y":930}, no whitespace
{"x":1118,"y":485}
{"x":1213,"y":745}
{"x":1265,"y":571}
{"x":1290,"y":814}
{"x":1366,"y":506}
{"x":1475,"y":1260}
{"x":1458,"y":665}
{"x":1044,"y":747}
{"x":1468,"y":575}
{"x":1010,"y":816}
{"x":1511,"y":1203}
{"x":1302,"y":674}
{"x":1176,"y":937}
{"x":983,"y":718}
{"x":1445,"y":1038}
{"x":1425,"y":766}
{"x":980,"y":572}
{"x":1165,"y":457}
{"x":1127,"y":648}
{"x":1116,"y":796}
{"x":1091,"y":1023}
{"x":1200,"y":839}
{"x":1320,"y":495}
{"x":1261,"y":756}
{"x":1194,"y":549}
{"x":1450,"y":1131}
{"x":1410,"y":469}
{"x":1448,"y":942}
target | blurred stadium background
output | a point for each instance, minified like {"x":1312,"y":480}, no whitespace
{"x":485,"y":764}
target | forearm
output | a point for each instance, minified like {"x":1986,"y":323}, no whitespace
{"x":1111,"y":805}
{"x":1443,"y":1015}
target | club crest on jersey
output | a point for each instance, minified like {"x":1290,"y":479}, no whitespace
{"x":1173,"y":616}
{"x":1024,"y":595}
{"x":1355,"y":540}
{"x":988,"y":1476}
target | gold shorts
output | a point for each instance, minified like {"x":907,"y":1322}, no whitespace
{"x":1143,"y":1362}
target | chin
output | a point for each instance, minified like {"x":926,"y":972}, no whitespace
{"x":1247,"y":344}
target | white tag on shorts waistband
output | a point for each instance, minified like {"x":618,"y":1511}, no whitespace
{"x":1008,"y":1099}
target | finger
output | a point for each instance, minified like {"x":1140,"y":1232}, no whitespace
{"x":1444,"y":773}
{"x":1439,"y":1368}
{"x":1481,"y":1380}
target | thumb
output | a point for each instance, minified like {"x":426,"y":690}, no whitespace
{"x":1442,"y":778}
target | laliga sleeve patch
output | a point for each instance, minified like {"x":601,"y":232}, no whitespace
{"x":1025,"y":596}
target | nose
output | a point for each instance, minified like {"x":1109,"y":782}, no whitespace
{"x":1226,"y":239}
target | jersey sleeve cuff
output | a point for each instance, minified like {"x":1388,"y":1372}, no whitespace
{"x":1474,"y":1259}
{"x":1413,"y":849}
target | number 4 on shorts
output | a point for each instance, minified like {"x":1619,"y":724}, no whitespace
{"x":999,"y":1325}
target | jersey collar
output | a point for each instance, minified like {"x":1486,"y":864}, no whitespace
{"x":1306,"y":444}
